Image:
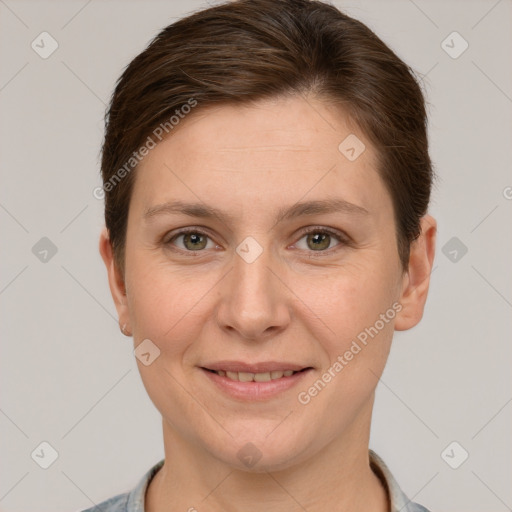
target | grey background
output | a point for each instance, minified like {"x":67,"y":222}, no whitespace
{"x":68,"y":376}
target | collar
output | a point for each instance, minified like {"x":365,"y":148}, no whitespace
{"x":398,"y":501}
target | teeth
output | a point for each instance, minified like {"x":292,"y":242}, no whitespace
{"x":255,"y":377}
{"x":245,"y":376}
{"x":262,"y":377}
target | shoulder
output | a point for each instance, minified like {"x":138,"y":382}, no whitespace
{"x":117,"y":503}
{"x":416,"y":507}
{"x":399,"y":502}
{"x":132,"y":501}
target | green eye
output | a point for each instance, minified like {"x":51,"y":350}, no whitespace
{"x":319,"y":240}
{"x":192,"y":240}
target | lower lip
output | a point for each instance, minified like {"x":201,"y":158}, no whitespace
{"x":255,"y":390}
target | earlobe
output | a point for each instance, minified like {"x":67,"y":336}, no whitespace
{"x":115,"y":280}
{"x":416,"y":281}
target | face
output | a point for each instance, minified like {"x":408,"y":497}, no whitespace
{"x":255,"y":245}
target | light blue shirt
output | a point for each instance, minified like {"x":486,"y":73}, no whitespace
{"x":133,"y":501}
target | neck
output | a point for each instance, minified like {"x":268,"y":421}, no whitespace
{"x":338,"y":477}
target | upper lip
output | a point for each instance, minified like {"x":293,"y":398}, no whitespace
{"x":261,"y":367}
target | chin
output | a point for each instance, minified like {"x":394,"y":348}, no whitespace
{"x":262,"y":452}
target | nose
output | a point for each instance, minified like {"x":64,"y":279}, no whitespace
{"x":254,"y":299}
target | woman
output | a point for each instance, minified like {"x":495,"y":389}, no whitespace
{"x":267,"y":178}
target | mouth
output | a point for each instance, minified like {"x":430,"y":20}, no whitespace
{"x":256,"y":377}
{"x":257,"y":381}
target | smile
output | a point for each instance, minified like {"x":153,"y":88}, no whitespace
{"x":265,"y":381}
{"x":255,"y":377}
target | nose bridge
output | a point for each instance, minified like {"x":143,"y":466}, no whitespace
{"x":251,"y":279}
{"x":252,"y":303}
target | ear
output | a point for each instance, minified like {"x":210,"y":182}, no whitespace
{"x":416,"y":280}
{"x":115,"y":280}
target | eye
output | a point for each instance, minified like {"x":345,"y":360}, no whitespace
{"x":315,"y":239}
{"x":191,"y":240}
{"x":319,"y":240}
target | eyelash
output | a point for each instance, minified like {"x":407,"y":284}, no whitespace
{"x":340,"y":236}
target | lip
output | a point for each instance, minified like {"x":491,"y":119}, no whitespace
{"x":255,"y":391}
{"x":261,"y":367}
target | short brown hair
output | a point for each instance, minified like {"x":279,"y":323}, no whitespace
{"x":243,"y":51}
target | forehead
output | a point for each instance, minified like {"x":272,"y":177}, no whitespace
{"x":279,"y":149}
{"x":277,"y":125}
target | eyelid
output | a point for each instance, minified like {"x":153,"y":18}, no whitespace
{"x":183,"y":231}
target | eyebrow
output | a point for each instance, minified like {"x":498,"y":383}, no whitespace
{"x":201,"y":210}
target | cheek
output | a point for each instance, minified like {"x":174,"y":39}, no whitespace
{"x":350,"y":331}
{"x":348,"y":299}
{"x":354,"y":327}
{"x":167,"y":306}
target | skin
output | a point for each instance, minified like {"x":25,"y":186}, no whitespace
{"x":293,"y":303}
